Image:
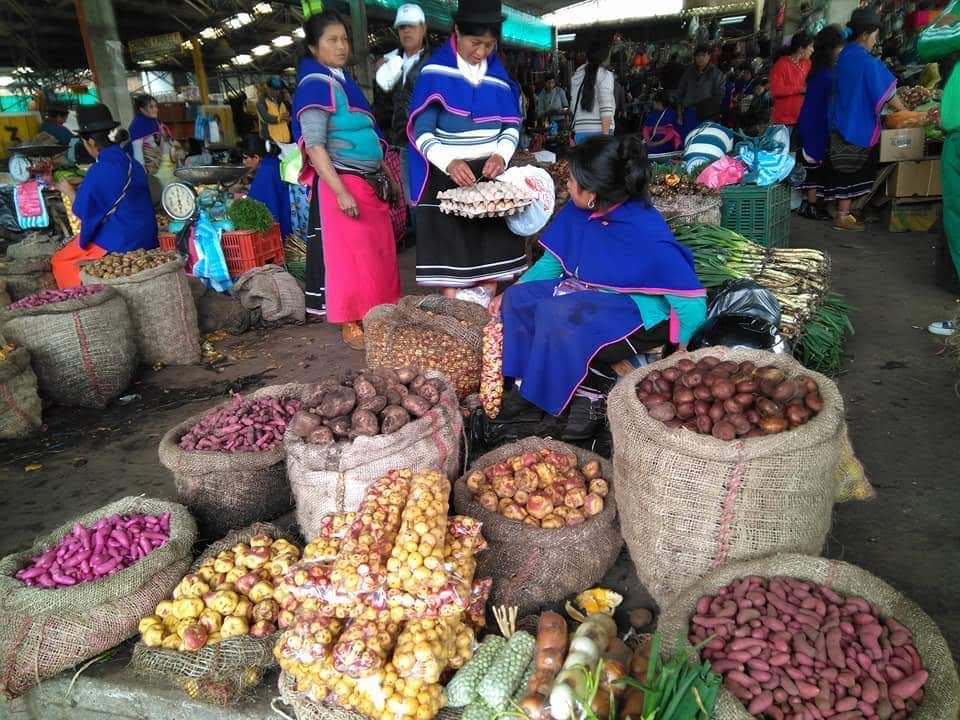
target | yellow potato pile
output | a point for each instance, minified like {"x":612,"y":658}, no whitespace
{"x":117,"y":265}
{"x":230,"y":595}
{"x":373,"y":629}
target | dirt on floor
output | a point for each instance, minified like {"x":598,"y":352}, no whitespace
{"x":902,"y":406}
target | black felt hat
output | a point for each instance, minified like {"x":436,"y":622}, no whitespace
{"x":94,"y":119}
{"x":480,"y":11}
{"x":864,"y":20}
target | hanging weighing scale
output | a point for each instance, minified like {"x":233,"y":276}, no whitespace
{"x":32,"y":161}
{"x":200,"y":190}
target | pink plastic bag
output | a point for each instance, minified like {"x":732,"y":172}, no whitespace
{"x":727,"y":170}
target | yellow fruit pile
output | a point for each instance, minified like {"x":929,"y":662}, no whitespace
{"x":230,"y":595}
{"x":372,"y":629}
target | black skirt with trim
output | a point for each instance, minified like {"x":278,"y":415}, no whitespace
{"x":453,"y":251}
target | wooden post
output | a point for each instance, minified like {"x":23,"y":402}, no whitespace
{"x":85,"y":35}
{"x":757,"y":15}
{"x":199,"y":70}
{"x":361,"y":48}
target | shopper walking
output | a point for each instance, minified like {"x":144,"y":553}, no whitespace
{"x":351,"y":251}
{"x":862,"y":87}
{"x":464,"y":128}
{"x":788,"y":80}
{"x":593,"y":92}
{"x":813,"y":124}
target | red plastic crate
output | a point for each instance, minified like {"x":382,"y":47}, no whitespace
{"x":248,"y":249}
{"x":243,"y":249}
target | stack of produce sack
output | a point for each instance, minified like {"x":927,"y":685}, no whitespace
{"x":430,"y":333}
{"x":549,"y":517}
{"x":81,"y":343}
{"x":26,"y":275}
{"x":796,"y":636}
{"x":214,"y":635}
{"x":355,"y":428}
{"x":228,"y":464}
{"x":20,"y":409}
{"x":724,"y":455}
{"x":383,"y":603}
{"x":155,"y":288}
{"x":82,"y":589}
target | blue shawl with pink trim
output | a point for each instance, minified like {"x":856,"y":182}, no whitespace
{"x":316,"y":88}
{"x":628,"y":249}
{"x":497,"y":97}
{"x":862,"y":86}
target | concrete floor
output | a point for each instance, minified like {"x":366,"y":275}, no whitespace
{"x":903,"y":411}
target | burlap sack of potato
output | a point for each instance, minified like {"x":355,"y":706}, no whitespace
{"x":941,"y":694}
{"x":20,"y":409}
{"x":33,"y":245}
{"x":5,"y":298}
{"x":226,"y":491}
{"x":696,"y":503}
{"x":333,"y":478}
{"x":431,"y":333}
{"x":46,"y":631}
{"x":531,"y":566}
{"x":163,"y":312}
{"x":26,"y":276}
{"x":83,"y":350}
{"x":220,"y":674}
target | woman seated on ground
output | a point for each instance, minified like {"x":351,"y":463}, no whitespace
{"x":614,"y":283}
{"x":113,"y":203}
{"x":261,"y":157}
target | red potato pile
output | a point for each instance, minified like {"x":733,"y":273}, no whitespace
{"x":544,"y":489}
{"x":369,"y":403}
{"x":729,"y":400}
{"x":48,"y":297}
{"x":242,"y":426}
{"x":88,"y":554}
{"x":795,"y":650}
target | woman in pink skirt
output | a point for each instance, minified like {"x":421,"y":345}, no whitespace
{"x":351,"y":251}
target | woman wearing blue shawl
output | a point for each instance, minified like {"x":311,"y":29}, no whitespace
{"x":113,"y":203}
{"x":351,"y":251}
{"x":613,"y":283}
{"x":261,"y":156}
{"x":464,"y":127}
{"x":147,"y":134}
{"x":862,"y":87}
{"x":813,"y":124}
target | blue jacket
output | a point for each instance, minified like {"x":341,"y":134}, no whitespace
{"x":134,"y":225}
{"x":268,"y":188}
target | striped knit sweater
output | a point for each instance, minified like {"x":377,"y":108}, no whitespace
{"x":443,"y":136}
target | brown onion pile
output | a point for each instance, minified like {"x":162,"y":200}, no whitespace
{"x":729,"y":400}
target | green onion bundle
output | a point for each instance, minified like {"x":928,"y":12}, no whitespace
{"x":821,"y":345}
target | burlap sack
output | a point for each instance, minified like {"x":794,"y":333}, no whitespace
{"x":163,"y":313}
{"x":690,"y":209}
{"x":26,"y":276}
{"x":696,"y":503}
{"x":531,"y":566}
{"x":272,"y":294}
{"x":20,"y":410}
{"x":305,"y":708}
{"x":333,"y":478}
{"x":83,"y":350}
{"x":33,"y":245}
{"x":46,"y":631}
{"x":428,"y":332}
{"x":226,"y":491}
{"x":220,"y":673}
{"x":5,"y":298}
{"x":941,"y":694}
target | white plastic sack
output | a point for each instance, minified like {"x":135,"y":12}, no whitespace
{"x":537,"y":214}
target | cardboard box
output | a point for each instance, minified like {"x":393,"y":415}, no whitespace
{"x":905,"y":144}
{"x":914,"y":217}
{"x":919,"y":178}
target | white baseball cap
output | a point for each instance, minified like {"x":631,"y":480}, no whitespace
{"x":410,"y":14}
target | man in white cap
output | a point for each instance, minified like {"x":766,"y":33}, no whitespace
{"x":398,"y":72}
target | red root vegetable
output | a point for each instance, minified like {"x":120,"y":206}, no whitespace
{"x":796,"y":650}
{"x":245,"y":426}
{"x":48,"y":297}
{"x":87,"y":554}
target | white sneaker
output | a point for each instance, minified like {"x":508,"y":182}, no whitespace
{"x":944,"y":328}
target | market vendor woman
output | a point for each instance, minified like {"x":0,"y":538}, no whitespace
{"x":613,"y":283}
{"x":464,"y":128}
{"x":113,"y":203}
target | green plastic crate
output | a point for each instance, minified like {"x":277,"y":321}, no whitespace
{"x":761,"y":214}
